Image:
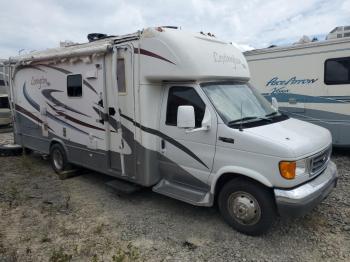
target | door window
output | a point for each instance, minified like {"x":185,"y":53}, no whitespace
{"x":337,"y":71}
{"x":181,"y":96}
{"x":121,"y":76}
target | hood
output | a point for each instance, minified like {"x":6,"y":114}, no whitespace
{"x":301,"y":137}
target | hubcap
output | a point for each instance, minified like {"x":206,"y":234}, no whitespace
{"x":57,"y":159}
{"x":244,"y":208}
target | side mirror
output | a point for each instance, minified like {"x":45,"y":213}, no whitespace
{"x":185,"y":117}
{"x":274,"y":103}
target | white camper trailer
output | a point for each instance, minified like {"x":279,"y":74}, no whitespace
{"x":311,"y":81}
{"x":171,"y":110}
{"x":5,"y":112}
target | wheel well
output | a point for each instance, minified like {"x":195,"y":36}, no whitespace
{"x":55,"y":142}
{"x":225,"y":178}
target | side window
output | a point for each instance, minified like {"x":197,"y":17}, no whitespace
{"x":179,"y":96}
{"x":74,"y":85}
{"x":337,"y":71}
{"x":121,"y":75}
{"x":4,"y":102}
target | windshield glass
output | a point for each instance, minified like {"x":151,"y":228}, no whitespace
{"x":236,"y":102}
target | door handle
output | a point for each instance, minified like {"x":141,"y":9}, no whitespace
{"x":162,"y":145}
{"x":111,"y":111}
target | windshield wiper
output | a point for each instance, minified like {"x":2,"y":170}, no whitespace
{"x":241,"y":120}
{"x":248,"y":118}
{"x":272,"y":114}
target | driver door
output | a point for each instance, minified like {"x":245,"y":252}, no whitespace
{"x":187,"y":157}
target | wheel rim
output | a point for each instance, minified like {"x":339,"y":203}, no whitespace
{"x":244,"y":208}
{"x":57,"y":159}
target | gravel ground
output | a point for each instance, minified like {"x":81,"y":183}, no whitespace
{"x":43,"y":218}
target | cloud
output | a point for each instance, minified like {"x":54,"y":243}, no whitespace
{"x":39,"y":24}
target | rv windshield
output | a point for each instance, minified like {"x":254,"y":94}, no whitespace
{"x":238,"y":103}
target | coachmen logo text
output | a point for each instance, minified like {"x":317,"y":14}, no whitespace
{"x":224,"y":59}
{"x":40,"y":82}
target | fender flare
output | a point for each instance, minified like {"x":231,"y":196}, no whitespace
{"x":239,"y":171}
{"x":59,"y":141}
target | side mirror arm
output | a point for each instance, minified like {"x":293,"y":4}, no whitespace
{"x":203,"y":128}
{"x":206,"y":123}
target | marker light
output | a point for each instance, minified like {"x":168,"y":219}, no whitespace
{"x":287,"y":169}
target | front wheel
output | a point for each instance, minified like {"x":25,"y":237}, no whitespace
{"x":247,"y":206}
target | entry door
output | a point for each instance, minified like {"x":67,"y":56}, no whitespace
{"x":121,"y":131}
{"x":127,"y":108}
{"x":187,"y":157}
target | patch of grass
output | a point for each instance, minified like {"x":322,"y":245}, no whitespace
{"x":27,"y":164}
{"x":13,"y":195}
{"x":60,"y":256}
{"x":94,"y":258}
{"x":98,"y":229}
{"x":13,"y":192}
{"x":45,"y":239}
{"x":130,"y":253}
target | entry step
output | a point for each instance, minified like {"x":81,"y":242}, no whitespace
{"x":123,"y":186}
{"x":181,"y":192}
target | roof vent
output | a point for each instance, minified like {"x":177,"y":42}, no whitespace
{"x":170,"y":26}
{"x":96,"y":36}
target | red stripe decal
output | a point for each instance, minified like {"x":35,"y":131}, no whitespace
{"x":30,"y":115}
{"x":149,"y":53}
{"x":72,"y":119}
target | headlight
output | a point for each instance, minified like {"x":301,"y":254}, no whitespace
{"x":291,"y":169}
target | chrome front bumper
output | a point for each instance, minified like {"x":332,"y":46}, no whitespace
{"x":300,"y":200}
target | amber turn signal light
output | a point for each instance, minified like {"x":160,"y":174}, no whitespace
{"x":287,"y":169}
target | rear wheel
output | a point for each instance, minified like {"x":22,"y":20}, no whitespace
{"x":247,"y":206}
{"x":58,"y":159}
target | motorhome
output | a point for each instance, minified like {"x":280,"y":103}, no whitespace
{"x":310,"y":80}
{"x":173,"y":111}
{"x":5,"y":113}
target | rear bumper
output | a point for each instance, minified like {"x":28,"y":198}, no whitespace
{"x":299,"y":201}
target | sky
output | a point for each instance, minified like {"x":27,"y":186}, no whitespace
{"x":29,"y":25}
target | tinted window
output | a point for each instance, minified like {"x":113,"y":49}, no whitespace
{"x":4,"y":102}
{"x":74,"y":85}
{"x":181,"y":96}
{"x":121,"y":76}
{"x":337,"y":71}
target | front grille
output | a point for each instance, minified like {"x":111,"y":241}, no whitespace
{"x":319,"y":161}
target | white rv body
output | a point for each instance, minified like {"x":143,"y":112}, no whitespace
{"x":113,"y":105}
{"x":302,"y":77}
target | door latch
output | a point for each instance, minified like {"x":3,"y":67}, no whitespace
{"x":162,"y":145}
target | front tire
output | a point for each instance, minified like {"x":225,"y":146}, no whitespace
{"x":58,"y":159}
{"x":247,"y":206}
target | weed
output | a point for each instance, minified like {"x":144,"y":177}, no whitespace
{"x":98,"y":229}
{"x":94,"y":258}
{"x":130,"y":254}
{"x":45,"y":239}
{"x":13,"y":195}
{"x":60,"y":256}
